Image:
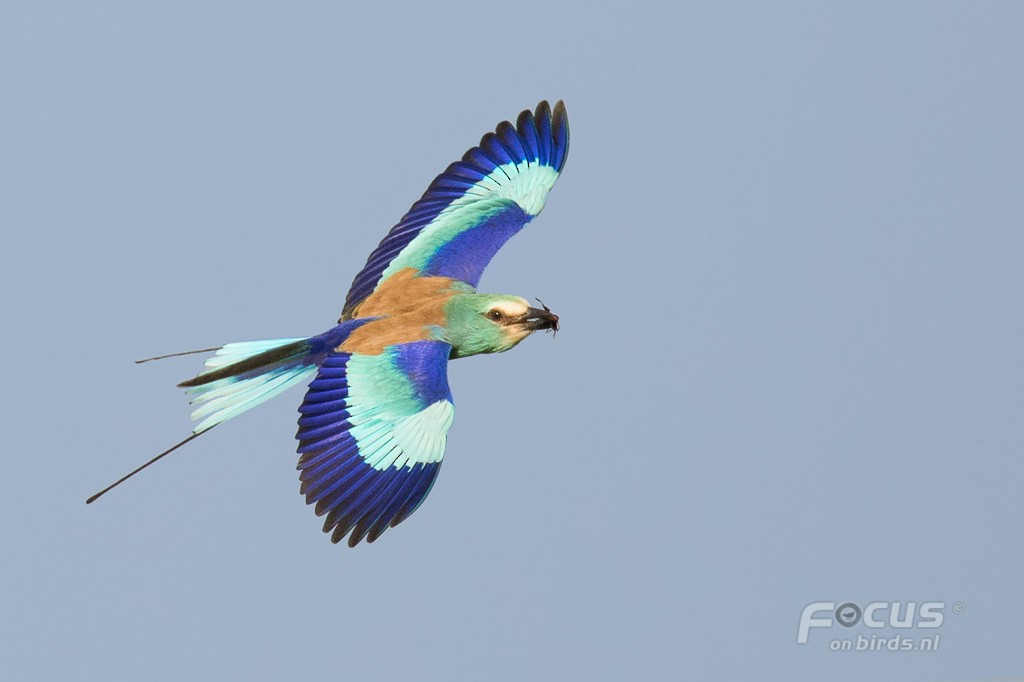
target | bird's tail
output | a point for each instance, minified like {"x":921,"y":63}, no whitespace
{"x":245,"y":374}
{"x":242,"y":375}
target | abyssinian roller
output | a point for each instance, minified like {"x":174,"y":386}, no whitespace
{"x":375,"y":418}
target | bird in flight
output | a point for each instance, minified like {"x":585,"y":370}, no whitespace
{"x":375,"y":417}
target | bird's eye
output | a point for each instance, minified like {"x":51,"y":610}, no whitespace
{"x":495,"y":315}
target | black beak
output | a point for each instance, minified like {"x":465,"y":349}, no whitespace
{"x":538,"y":319}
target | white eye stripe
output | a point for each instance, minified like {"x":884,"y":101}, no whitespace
{"x":509,"y":309}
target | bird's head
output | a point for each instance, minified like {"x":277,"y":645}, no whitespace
{"x":492,"y":323}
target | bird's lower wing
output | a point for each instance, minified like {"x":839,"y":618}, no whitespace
{"x":474,"y":206}
{"x":372,"y":434}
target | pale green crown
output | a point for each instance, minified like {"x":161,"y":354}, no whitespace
{"x":483,"y":323}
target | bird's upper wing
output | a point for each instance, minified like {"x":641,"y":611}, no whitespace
{"x":372,"y":434}
{"x":475,"y":206}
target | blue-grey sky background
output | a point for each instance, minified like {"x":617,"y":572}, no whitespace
{"x":787,"y":252}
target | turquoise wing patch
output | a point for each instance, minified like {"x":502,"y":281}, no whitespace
{"x":372,"y":434}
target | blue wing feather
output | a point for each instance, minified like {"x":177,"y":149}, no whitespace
{"x":512,"y":142}
{"x":542,"y":119}
{"x":528,"y":126}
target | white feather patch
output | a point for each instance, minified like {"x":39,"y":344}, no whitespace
{"x":414,"y":439}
